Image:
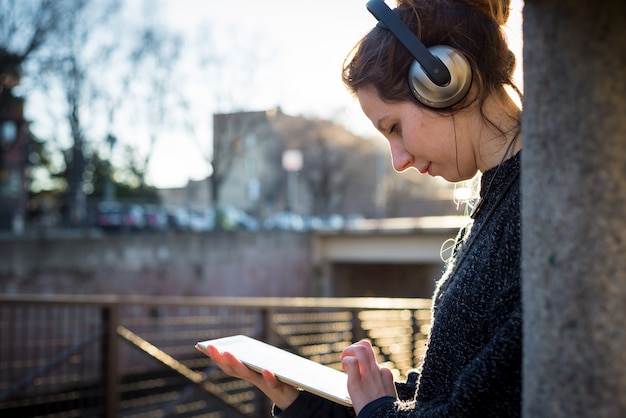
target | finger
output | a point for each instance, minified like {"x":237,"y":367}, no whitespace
{"x":216,"y":356}
{"x":212,"y":351}
{"x":242,"y":371}
{"x":270,"y":379}
{"x":231,"y":365}
{"x":365,"y":343}
{"x":280,"y":393}
{"x":352,"y":368}
{"x":388,"y":382}
{"x":364,"y":353}
{"x":363,"y":346}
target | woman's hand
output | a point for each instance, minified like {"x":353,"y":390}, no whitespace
{"x":280,"y":393}
{"x":367,"y":381}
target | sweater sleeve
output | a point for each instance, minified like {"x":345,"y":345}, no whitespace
{"x":481,"y":388}
{"x":308,"y":405}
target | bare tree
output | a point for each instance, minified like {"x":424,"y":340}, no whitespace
{"x":154,"y":60}
{"x":325,"y":173}
{"x":25,"y":28}
{"x":62,"y":71}
{"x":94,"y":68}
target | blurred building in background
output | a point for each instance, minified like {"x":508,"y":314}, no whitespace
{"x":267,"y":163}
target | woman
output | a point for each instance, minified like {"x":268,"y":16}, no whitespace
{"x":472,"y":367}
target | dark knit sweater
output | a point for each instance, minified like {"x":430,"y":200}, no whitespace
{"x":472,"y":366}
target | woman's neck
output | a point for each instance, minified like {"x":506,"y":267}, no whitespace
{"x":501,"y":139}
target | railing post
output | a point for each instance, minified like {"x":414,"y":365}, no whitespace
{"x":266,"y":325}
{"x":416,"y":336}
{"x":358,"y":333}
{"x":263,"y":404}
{"x":109,"y":363}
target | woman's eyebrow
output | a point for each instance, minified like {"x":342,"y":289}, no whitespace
{"x":380,"y":122}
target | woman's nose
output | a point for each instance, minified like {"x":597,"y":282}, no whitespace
{"x":400,"y":158}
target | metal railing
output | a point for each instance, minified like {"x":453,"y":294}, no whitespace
{"x":134,"y":356}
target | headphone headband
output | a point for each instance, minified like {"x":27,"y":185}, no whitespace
{"x":439,"y":76}
{"x":433,"y":67}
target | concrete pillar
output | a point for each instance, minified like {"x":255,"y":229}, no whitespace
{"x":574,"y":209}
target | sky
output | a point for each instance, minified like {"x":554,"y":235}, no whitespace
{"x":301,"y":47}
{"x":303,"y":44}
{"x":290,"y":54}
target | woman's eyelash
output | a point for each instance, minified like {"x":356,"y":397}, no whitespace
{"x":393,"y":128}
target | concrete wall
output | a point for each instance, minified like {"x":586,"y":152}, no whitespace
{"x":215,"y":264}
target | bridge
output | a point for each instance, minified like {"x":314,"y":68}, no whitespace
{"x":387,"y":257}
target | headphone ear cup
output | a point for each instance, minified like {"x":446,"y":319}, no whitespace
{"x":433,"y":95}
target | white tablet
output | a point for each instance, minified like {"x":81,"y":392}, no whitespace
{"x":290,"y":368}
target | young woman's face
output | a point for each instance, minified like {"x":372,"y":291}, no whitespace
{"x":420,"y":138}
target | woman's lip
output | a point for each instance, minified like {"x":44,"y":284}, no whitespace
{"x":427,"y":169}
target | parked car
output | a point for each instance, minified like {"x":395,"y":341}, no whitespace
{"x":110,"y":215}
{"x":231,"y":218}
{"x":288,"y":221}
{"x":328,"y":222}
{"x":155,"y":218}
{"x":134,"y":217}
{"x":119,"y":216}
{"x":201,"y":220}
{"x":178,"y":219}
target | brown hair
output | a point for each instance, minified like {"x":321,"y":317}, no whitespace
{"x":474,"y":27}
